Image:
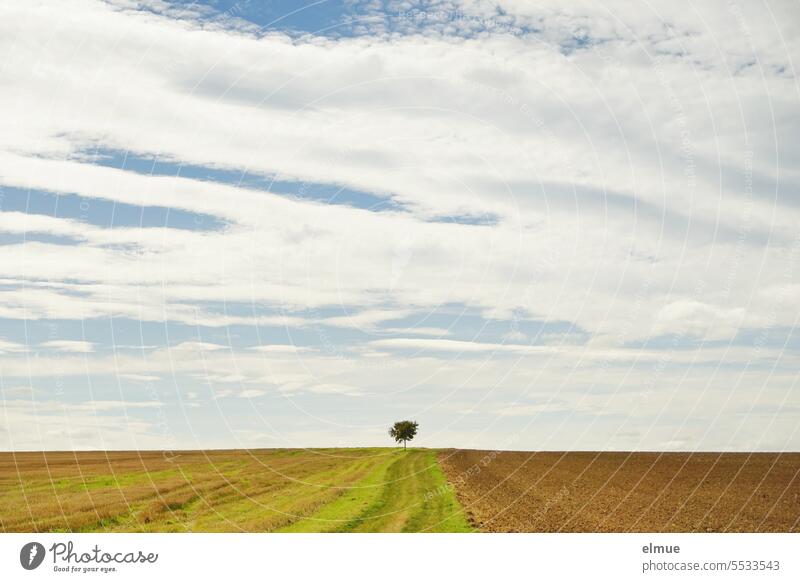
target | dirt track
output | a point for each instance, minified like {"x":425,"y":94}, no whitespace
{"x":586,"y":491}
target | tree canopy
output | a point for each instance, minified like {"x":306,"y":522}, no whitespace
{"x":403,"y":431}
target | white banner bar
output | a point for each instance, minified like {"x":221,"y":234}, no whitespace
{"x":400,"y":557}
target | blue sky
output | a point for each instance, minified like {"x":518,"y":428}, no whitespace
{"x":525,"y":225}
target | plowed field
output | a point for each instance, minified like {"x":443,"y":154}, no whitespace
{"x":621,"y":492}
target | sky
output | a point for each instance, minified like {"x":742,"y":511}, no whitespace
{"x":526,"y":225}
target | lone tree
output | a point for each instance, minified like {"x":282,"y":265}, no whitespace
{"x":403,"y":431}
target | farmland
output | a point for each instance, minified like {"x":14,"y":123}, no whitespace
{"x":389,"y":490}
{"x":318,"y":490}
{"x":622,"y":492}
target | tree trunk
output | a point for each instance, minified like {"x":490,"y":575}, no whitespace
{"x":404,"y":445}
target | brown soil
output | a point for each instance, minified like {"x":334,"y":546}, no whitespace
{"x":621,"y":492}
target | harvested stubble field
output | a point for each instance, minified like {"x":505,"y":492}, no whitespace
{"x":372,"y":490}
{"x":626,"y":492}
{"x":239,"y":490}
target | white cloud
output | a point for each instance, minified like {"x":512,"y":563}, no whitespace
{"x":459,"y":346}
{"x":57,"y":426}
{"x":78,"y":346}
{"x":105,"y":405}
{"x":366,"y":319}
{"x":232,"y":393}
{"x":696,"y":319}
{"x":362,"y":260}
{"x":515,"y":336}
{"x":7,"y":346}
{"x":417,"y":330}
{"x":251,"y":393}
{"x":280,"y":349}
{"x":534,"y":409}
{"x":18,"y":392}
{"x":139,"y":377}
{"x":638,"y":185}
{"x":198,"y":347}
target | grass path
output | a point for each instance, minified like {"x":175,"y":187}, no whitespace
{"x":404,"y":494}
